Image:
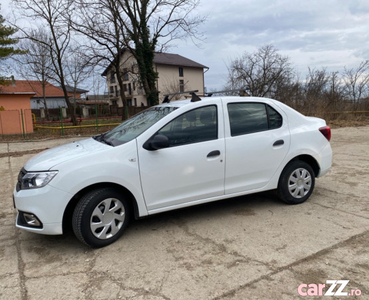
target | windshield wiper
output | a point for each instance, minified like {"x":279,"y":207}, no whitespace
{"x":100,"y":138}
{"x":97,"y":137}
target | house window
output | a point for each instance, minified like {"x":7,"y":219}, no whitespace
{"x":125,"y":74}
{"x":129,"y":102}
{"x":181,"y":86}
{"x":114,"y":102}
{"x":135,"y":69}
{"x":180,"y":72}
{"x":112,"y":77}
{"x":116,"y":91}
{"x":129,"y":89}
{"x":135,"y":101}
{"x":112,"y":89}
{"x":124,"y":87}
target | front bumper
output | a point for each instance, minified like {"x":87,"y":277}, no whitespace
{"x":47,"y":204}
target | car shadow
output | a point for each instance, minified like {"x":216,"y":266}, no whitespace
{"x":243,"y":205}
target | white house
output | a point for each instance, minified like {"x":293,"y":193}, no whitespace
{"x":175,"y":74}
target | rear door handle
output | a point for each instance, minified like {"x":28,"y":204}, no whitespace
{"x":278,"y":143}
{"x":214,"y":153}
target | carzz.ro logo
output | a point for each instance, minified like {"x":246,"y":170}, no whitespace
{"x":335,"y":288}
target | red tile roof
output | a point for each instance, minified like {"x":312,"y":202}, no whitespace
{"x":31,"y":86}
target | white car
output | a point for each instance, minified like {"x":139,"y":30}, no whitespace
{"x":171,"y":156}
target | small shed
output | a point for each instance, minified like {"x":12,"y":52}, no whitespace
{"x":15,"y":110}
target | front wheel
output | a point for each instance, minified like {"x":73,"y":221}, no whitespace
{"x":100,"y":217}
{"x":296,"y":182}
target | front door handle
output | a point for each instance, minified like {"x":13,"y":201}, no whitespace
{"x":278,"y":143}
{"x":214,"y":153}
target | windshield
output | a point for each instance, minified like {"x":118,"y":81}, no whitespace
{"x":133,"y":127}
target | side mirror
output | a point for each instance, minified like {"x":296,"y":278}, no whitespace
{"x":157,"y":142}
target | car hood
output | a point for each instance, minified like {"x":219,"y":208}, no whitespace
{"x":48,"y":159}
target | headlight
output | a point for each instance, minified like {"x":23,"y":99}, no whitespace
{"x":33,"y":180}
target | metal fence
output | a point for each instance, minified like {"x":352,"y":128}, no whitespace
{"x":113,"y":110}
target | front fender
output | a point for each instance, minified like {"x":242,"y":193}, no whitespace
{"x":118,"y":166}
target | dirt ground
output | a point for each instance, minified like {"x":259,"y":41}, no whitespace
{"x":252,"y":247}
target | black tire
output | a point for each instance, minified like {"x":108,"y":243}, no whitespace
{"x":100,"y":217}
{"x":302,"y":175}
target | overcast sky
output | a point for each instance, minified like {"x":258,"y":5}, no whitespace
{"x":313,"y":33}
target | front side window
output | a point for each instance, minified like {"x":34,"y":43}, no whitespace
{"x":247,"y":118}
{"x":198,"y":125}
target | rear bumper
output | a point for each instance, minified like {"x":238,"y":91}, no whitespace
{"x":325,"y":160}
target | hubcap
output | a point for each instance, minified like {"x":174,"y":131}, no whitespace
{"x":299,"y":183}
{"x":107,"y":218}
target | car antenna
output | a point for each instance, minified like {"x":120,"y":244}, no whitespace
{"x":167,"y":99}
{"x":194,"y":98}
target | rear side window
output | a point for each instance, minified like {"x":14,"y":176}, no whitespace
{"x":247,"y":118}
{"x":275,"y":119}
{"x":195,"y":126}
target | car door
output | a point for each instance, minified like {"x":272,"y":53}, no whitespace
{"x":257,"y":140}
{"x":192,"y":167}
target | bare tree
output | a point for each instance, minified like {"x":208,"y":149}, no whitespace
{"x":52,"y":14}
{"x":315,"y":89}
{"x":356,"y":82}
{"x":98,"y":82}
{"x":78,"y":68}
{"x":172,"y":87}
{"x":141,"y":26}
{"x":262,"y":72}
{"x":36,"y":64}
{"x":336,"y":93}
{"x":98,"y":21}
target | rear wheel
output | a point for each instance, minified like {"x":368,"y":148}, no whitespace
{"x":296,"y":182}
{"x":100,"y":217}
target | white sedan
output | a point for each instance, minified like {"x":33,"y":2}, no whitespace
{"x":171,"y":156}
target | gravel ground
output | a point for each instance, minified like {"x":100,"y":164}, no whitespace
{"x":252,"y":247}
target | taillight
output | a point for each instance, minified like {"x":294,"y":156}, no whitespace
{"x":326,"y":131}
